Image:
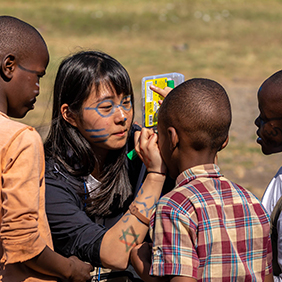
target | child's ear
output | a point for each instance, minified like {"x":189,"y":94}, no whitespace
{"x":67,"y":115}
{"x":173,"y":138}
{"x":225,"y":143}
{"x":8,"y":66}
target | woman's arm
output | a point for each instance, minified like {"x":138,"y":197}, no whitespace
{"x":129,"y":230}
{"x":73,"y":231}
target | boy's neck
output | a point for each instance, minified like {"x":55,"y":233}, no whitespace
{"x":195,"y":158}
{"x":3,"y":103}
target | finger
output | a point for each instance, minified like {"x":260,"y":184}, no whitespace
{"x":136,"y":137}
{"x":137,"y":143}
{"x":163,"y":92}
{"x":144,"y":138}
{"x":146,"y":134}
{"x":136,"y":123}
{"x":89,"y":266}
{"x":153,"y":139}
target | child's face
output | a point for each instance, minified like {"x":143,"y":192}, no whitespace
{"x":23,"y":88}
{"x":106,"y":120}
{"x":269,"y":122}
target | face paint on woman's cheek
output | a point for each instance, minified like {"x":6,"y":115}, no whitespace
{"x":98,"y":136}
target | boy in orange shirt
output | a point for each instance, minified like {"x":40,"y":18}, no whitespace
{"x":26,"y":244}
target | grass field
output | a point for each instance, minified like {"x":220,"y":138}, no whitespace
{"x":236,"y":42}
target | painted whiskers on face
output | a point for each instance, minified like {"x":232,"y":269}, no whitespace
{"x":105,"y":109}
{"x":98,"y":136}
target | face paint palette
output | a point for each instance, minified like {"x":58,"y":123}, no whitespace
{"x":151,"y":99}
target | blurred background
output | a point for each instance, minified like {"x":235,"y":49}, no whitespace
{"x":235,"y":42}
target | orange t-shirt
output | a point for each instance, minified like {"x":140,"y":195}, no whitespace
{"x":24,"y":229}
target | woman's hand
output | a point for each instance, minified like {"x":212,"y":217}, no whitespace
{"x":147,"y":148}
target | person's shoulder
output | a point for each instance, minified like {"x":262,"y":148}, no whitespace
{"x":240,"y":189}
{"x":57,"y":176}
{"x":246,"y":196}
{"x":10,"y":125}
{"x":12,"y":130}
{"x":174,"y":198}
{"x":278,"y":176}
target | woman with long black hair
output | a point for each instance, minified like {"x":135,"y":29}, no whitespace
{"x":95,"y":208}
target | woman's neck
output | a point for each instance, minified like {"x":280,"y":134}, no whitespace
{"x":96,"y":173}
{"x":101,"y":155}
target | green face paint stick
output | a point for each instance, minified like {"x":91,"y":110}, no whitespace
{"x":132,"y":154}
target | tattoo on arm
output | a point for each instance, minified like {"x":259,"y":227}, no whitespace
{"x":126,"y":217}
{"x":146,"y":209}
{"x":129,"y":238}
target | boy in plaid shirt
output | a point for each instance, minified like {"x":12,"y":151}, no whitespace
{"x":207,"y":227}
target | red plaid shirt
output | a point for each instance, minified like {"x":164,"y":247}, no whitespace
{"x":209,"y":228}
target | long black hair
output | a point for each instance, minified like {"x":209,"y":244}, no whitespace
{"x":77,"y":76}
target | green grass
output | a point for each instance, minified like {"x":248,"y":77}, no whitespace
{"x":226,"y":39}
{"x":236,"y":42}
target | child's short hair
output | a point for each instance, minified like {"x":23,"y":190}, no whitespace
{"x":275,"y":78}
{"x":18,"y":37}
{"x":201,"y":108}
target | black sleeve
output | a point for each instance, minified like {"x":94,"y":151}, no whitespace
{"x":73,"y":232}
{"x":134,"y":166}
